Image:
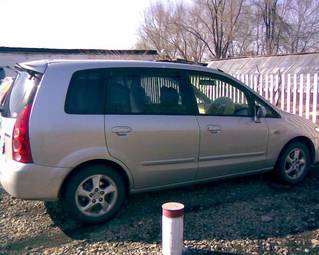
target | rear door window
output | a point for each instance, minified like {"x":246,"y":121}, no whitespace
{"x":146,"y":91}
{"x":85,"y":93}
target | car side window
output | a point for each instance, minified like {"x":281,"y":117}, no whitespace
{"x":218,"y":96}
{"x":85,"y":93}
{"x":145,"y":92}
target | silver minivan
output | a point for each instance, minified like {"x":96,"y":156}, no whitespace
{"x":90,"y":132}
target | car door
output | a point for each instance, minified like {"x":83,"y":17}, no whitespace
{"x":231,"y":141}
{"x":150,"y":125}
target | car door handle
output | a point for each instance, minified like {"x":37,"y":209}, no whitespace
{"x":214,"y":129}
{"x":121,"y":131}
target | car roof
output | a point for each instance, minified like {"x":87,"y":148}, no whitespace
{"x":41,"y":65}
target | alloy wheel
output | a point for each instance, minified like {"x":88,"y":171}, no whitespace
{"x":96,"y":195}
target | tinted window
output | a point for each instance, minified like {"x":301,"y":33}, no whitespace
{"x":218,"y":96}
{"x":85,"y":93}
{"x":146,"y":92}
{"x":21,"y":94}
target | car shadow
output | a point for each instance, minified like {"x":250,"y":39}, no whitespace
{"x":255,"y":207}
{"x":251,"y":207}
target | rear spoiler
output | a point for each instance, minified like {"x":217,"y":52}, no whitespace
{"x":31,"y":68}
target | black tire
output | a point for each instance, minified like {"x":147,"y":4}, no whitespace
{"x":284,"y":170}
{"x":83,"y":180}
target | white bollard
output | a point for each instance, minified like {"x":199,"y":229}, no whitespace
{"x":172,"y":228}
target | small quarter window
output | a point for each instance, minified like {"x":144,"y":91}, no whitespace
{"x":85,"y":94}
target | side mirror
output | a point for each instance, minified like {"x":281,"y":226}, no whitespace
{"x":260,"y":112}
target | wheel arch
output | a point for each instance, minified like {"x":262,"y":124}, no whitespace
{"x":302,"y":139}
{"x":124,"y":174}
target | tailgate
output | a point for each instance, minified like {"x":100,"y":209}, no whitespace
{"x":20,"y":95}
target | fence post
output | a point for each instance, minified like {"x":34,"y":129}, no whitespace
{"x":172,"y":228}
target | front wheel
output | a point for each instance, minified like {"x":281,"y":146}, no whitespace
{"x":94,"y":194}
{"x":293,"y":163}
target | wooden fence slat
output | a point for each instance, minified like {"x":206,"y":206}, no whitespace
{"x":275,"y":89}
{"x":308,"y":96}
{"x":227,"y":90}
{"x":282,"y":92}
{"x":255,"y":83}
{"x":315,"y":95}
{"x":261,"y":85}
{"x":251,"y":81}
{"x":288,"y":92}
{"x":301,"y":95}
{"x":294,"y":100}
{"x":271,"y":88}
{"x":247,"y":80}
{"x":266,"y":88}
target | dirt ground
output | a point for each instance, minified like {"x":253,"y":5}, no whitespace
{"x":247,"y":215}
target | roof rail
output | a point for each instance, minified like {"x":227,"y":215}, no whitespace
{"x":181,"y":61}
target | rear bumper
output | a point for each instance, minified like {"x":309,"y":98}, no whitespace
{"x":31,"y":181}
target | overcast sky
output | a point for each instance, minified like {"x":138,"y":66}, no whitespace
{"x":97,"y":24}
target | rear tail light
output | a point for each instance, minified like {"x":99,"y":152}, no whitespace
{"x":21,"y":150}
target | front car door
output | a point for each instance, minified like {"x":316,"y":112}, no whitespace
{"x":150,"y":125}
{"x":231,"y":142}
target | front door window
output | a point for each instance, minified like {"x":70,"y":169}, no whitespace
{"x":218,"y":97}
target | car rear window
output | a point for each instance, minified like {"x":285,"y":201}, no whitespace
{"x":85,"y":93}
{"x":21,"y":94}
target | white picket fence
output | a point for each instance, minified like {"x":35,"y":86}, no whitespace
{"x":294,"y":93}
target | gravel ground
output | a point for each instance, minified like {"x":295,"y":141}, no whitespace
{"x":247,"y":215}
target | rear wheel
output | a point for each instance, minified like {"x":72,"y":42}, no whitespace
{"x":94,"y":194}
{"x":293,"y":163}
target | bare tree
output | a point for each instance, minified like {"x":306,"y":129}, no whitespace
{"x":218,"y":19}
{"x":161,"y":30}
{"x":209,"y":29}
{"x":303,"y":23}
